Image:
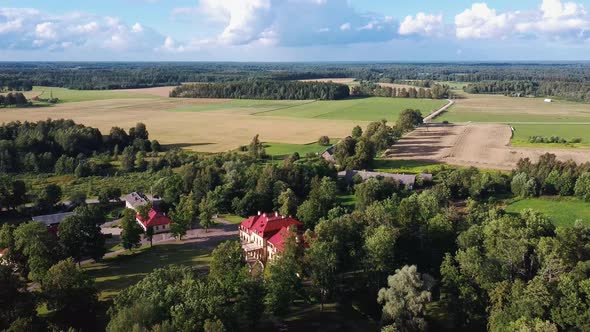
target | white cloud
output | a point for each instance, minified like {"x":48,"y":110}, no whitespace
{"x":422,"y":24}
{"x":554,"y":19}
{"x":293,"y":22}
{"x":480,"y":21}
{"x":345,"y":26}
{"x":22,"y":28}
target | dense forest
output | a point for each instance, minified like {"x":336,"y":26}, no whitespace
{"x":64,"y":147}
{"x":575,"y":91}
{"x":264,"y":89}
{"x":97,"y":76}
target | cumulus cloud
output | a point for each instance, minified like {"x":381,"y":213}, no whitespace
{"x":422,"y":24}
{"x":315,"y":22}
{"x":553,"y":19}
{"x":22,"y":28}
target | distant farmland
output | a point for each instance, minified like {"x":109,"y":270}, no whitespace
{"x":216,"y":125}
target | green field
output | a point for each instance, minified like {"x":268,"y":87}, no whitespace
{"x":282,"y":150}
{"x":360,"y":109}
{"x":522,"y":133}
{"x":67,"y":95}
{"x":115,"y":274}
{"x":563,"y":211}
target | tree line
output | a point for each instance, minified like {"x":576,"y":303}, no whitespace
{"x":264,"y":89}
{"x":100,"y":76}
{"x":435,"y":91}
{"x":13,"y":99}
{"x":575,"y":91}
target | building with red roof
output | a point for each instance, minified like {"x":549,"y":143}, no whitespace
{"x":3,"y":253}
{"x":264,"y":236}
{"x":158,"y":220}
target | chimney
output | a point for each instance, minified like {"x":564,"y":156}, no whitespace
{"x":258,"y":212}
{"x":276,"y":214}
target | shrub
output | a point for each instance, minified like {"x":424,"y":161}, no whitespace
{"x":324,"y":140}
{"x":582,"y":188}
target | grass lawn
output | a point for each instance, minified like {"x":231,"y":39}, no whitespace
{"x":67,"y":95}
{"x":231,"y":218}
{"x":282,"y":150}
{"x":404,"y":166}
{"x":358,"y":109}
{"x":347,"y":200}
{"x":335,"y":317}
{"x":568,"y":131}
{"x":564,"y":211}
{"x":117,"y":273}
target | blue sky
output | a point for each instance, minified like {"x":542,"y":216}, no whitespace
{"x":294,"y":30}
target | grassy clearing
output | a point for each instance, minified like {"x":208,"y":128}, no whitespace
{"x":405,"y":166}
{"x":68,"y":96}
{"x":231,"y":218}
{"x":359,"y":109}
{"x":335,"y":317}
{"x":502,"y":109}
{"x":524,"y":131}
{"x":115,"y":274}
{"x":564,"y":211}
{"x":282,"y":150}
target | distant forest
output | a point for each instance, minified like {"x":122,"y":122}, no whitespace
{"x":576,"y":91}
{"x":264,"y":89}
{"x":98,"y":76}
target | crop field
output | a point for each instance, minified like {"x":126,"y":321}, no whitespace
{"x":563,"y":211}
{"x":215,"y":125}
{"x":282,"y":150}
{"x":502,"y":109}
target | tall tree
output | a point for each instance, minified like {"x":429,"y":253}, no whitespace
{"x":131,"y":231}
{"x":404,"y":300}
{"x":183,"y":215}
{"x":80,"y":234}
{"x":15,"y":301}
{"x":71,"y":293}
{"x":321,"y":265}
{"x":38,"y":246}
{"x":207,"y":210}
{"x":288,"y":202}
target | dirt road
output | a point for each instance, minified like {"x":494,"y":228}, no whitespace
{"x":480,"y":145}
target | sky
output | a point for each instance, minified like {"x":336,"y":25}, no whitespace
{"x":294,"y":30}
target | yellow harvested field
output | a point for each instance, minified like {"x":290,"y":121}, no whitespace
{"x":207,"y":131}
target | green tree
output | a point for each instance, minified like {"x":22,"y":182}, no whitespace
{"x":227,"y":267}
{"x":288,"y":202}
{"x":38,"y":246}
{"x":404,"y":300}
{"x":409,"y":119}
{"x":128,"y":159}
{"x":321,"y":264}
{"x":357,"y":132}
{"x":256,"y":148}
{"x":71,"y":293}
{"x":131,"y":231}
{"x":582,"y":188}
{"x":77,"y":198}
{"x":183,"y":215}
{"x":207,"y":210}
{"x":282,"y":280}
{"x":49,"y":196}
{"x":324,"y":140}
{"x":380,"y":248}
{"x":15,"y":301}
{"x":80,"y":234}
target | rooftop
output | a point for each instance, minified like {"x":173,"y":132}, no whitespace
{"x":52,"y":219}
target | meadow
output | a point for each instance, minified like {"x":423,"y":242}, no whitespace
{"x":563,"y":211}
{"x":282,"y":150}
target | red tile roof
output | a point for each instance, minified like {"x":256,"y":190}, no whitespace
{"x":155,"y":219}
{"x":3,"y":251}
{"x":272,"y":227}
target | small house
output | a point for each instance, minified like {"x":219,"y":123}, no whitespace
{"x":407,"y":180}
{"x":52,"y":221}
{"x":135,"y":199}
{"x":157,"y":220}
{"x":548,"y":100}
